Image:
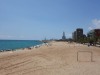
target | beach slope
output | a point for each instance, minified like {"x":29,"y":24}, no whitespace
{"x":61,"y":58}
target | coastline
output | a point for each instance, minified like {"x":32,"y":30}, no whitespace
{"x":27,"y":48}
{"x":4,"y":50}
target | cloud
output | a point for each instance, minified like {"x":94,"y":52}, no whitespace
{"x":90,"y":28}
{"x":95,"y":24}
{"x":5,"y":36}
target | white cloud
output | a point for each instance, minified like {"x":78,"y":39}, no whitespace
{"x":90,"y":28}
{"x":5,"y":36}
{"x":95,"y":24}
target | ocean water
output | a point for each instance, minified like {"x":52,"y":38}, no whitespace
{"x":17,"y":44}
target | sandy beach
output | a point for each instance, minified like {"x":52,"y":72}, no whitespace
{"x":61,"y":58}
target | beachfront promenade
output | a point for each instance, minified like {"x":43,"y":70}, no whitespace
{"x":61,"y":58}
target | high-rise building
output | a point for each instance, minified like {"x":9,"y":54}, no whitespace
{"x":94,"y":34}
{"x":78,"y":34}
{"x":74,"y":35}
{"x":63,"y":37}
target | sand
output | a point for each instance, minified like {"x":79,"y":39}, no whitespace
{"x":61,"y":58}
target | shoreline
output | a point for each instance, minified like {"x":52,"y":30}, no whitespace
{"x":43,"y":44}
{"x":28,"y":48}
{"x":10,"y":45}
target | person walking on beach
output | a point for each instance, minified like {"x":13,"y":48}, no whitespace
{"x":88,"y":44}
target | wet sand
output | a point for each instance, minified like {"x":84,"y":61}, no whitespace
{"x":61,"y":58}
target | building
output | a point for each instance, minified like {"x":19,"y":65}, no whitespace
{"x":94,"y":34}
{"x":63,"y":37}
{"x":74,"y":35}
{"x":78,"y":34}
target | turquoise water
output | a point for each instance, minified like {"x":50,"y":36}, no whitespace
{"x":17,"y":44}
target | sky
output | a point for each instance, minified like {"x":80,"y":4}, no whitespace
{"x":40,"y":19}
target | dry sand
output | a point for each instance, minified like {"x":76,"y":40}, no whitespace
{"x":58,"y":59}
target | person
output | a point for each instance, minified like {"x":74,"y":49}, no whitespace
{"x":88,"y":44}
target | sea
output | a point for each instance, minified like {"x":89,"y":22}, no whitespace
{"x":17,"y":44}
